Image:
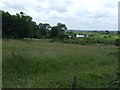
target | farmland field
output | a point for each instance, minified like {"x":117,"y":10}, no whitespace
{"x":43,"y":64}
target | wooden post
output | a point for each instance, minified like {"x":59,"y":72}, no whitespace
{"x":56,"y":86}
{"x":74,"y":82}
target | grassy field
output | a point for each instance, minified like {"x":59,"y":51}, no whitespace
{"x":41,"y":64}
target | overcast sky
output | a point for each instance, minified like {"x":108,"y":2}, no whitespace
{"x":76,"y":14}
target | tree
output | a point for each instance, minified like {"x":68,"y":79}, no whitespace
{"x":35,"y":32}
{"x":107,"y":32}
{"x":44,"y":29}
{"x":16,"y":26}
{"x":62,"y":26}
{"x":54,"y":31}
{"x":23,"y":24}
{"x":58,"y":31}
{"x":6,"y":24}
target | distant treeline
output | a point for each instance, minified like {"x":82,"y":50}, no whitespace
{"x":22,"y":26}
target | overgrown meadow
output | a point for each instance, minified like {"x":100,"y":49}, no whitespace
{"x":43,"y":64}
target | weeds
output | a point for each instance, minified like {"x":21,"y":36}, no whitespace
{"x":45,"y":64}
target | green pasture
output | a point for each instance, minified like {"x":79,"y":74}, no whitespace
{"x":43,"y":64}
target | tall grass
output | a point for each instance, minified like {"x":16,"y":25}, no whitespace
{"x":40,"y":64}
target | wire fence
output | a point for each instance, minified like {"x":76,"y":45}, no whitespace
{"x":19,"y":79}
{"x":56,"y":81}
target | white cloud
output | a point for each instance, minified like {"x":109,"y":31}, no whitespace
{"x":76,"y":14}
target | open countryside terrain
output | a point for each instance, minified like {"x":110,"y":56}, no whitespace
{"x":43,"y":64}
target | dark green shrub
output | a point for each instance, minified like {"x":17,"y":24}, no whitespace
{"x":105,"y":36}
{"x":117,"y":42}
{"x":65,"y":41}
{"x":51,"y":40}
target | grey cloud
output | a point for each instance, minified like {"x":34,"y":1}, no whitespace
{"x":82,"y":12}
{"x":39,"y":8}
{"x":82,"y":18}
{"x":14,"y":5}
{"x":97,"y":14}
{"x":101,"y":14}
{"x":60,"y":7}
{"x":110,"y":5}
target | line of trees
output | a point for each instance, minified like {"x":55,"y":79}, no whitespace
{"x":22,"y":26}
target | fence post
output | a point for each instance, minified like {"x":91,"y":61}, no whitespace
{"x":56,"y":86}
{"x":74,"y":82}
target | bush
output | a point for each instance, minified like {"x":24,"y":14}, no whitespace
{"x":105,"y":36}
{"x":51,"y":40}
{"x":65,"y":41}
{"x":117,"y":42}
